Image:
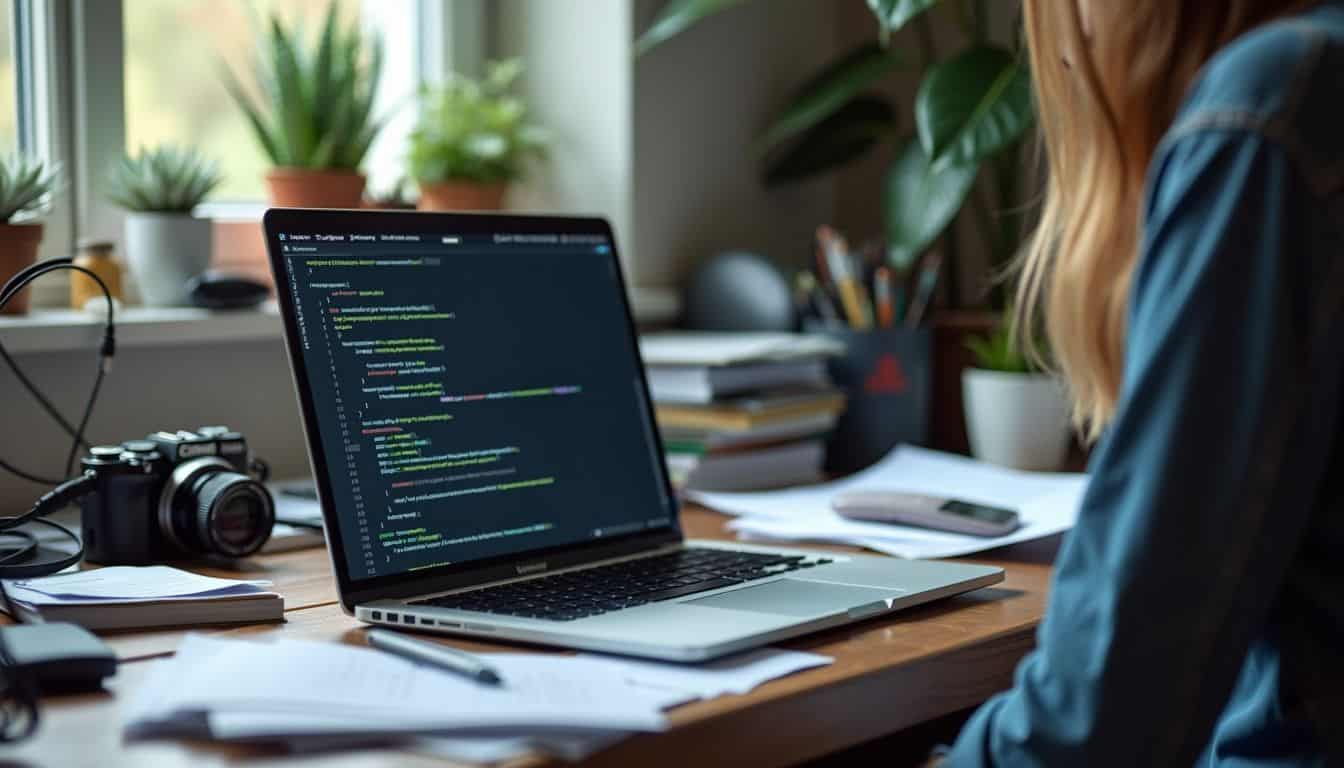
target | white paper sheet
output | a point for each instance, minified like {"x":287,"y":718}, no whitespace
{"x":739,"y":674}
{"x":1046,"y":502}
{"x":125,"y":583}
{"x":681,"y":348}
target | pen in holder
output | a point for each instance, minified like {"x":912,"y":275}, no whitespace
{"x":886,"y":375}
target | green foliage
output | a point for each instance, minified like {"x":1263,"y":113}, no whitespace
{"x":26,"y":187}
{"x":475,"y":131}
{"x":921,"y":200}
{"x":973,"y":106}
{"x":999,"y":351}
{"x":971,"y":111}
{"x":166,"y":179}
{"x":316,"y":109}
{"x":676,"y":17}
{"x":829,"y":91}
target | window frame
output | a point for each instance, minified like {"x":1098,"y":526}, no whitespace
{"x":69,"y":66}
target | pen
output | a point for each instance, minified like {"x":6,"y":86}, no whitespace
{"x":928,"y":283}
{"x":811,"y":296}
{"x":842,"y":273}
{"x":886,"y":305}
{"x":434,"y":655}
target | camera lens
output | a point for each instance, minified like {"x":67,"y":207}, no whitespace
{"x":234,"y":513}
{"x":209,"y":508}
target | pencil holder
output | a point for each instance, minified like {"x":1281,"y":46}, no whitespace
{"x":886,"y":374}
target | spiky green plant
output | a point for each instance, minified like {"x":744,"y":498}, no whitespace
{"x":999,"y":350}
{"x":166,"y":179}
{"x":316,"y":105}
{"x":26,"y":187}
{"x":474,"y":131}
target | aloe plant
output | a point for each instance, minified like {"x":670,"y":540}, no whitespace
{"x":166,"y":179}
{"x":970,"y":113}
{"x":26,"y":187}
{"x":316,"y":105}
{"x":476,"y":131}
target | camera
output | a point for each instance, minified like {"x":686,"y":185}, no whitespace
{"x":173,"y":496}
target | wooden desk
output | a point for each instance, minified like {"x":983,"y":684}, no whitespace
{"x":889,"y":674}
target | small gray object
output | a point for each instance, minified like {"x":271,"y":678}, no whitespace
{"x":739,"y":291}
{"x":60,"y":657}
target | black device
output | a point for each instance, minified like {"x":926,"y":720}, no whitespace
{"x":175,"y":495}
{"x":222,"y":290}
{"x":58,"y":657}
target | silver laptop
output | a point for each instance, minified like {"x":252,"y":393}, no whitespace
{"x":487,"y":458}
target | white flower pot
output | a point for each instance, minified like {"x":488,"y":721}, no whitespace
{"x":164,"y":251}
{"x":1018,"y":420}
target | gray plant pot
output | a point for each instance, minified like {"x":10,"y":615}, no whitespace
{"x":164,"y":251}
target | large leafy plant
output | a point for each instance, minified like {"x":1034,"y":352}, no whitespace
{"x":316,"y":100}
{"x":26,"y":187}
{"x":166,"y":179}
{"x":474,"y":130}
{"x":971,"y":110}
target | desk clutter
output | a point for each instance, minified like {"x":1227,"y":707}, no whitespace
{"x":745,"y":410}
{"x":1046,"y":503}
{"x":129,"y":597}
{"x":311,"y":695}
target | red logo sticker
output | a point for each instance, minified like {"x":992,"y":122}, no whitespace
{"x":887,"y":378}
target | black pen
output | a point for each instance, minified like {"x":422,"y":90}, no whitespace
{"x":434,"y":655}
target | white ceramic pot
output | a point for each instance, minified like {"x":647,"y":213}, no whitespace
{"x":1018,"y":420}
{"x":164,"y":251}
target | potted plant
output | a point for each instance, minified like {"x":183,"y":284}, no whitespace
{"x":472,"y":140}
{"x":314,"y":117}
{"x":1016,"y":414}
{"x":165,"y":244}
{"x":26,"y":186}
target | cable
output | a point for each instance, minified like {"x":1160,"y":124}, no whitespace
{"x":108,"y":348}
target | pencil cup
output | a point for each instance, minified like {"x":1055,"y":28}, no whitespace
{"x":886,"y":375}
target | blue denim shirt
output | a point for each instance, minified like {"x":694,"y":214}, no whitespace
{"x":1197,"y":611}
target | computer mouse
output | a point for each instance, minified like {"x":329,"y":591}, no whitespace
{"x":221,"y":290}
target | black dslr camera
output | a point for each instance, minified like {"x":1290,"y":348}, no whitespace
{"x":175,"y":495}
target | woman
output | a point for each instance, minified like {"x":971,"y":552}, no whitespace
{"x":1189,"y":273}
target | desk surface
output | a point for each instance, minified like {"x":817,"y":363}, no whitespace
{"x":889,"y":674}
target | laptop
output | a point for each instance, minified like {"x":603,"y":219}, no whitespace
{"x":485,"y":451}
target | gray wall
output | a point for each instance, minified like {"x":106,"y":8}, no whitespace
{"x":245,"y":385}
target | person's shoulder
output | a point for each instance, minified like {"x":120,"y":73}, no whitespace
{"x":1280,"y":80}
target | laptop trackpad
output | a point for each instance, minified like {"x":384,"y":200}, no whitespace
{"x":792,"y":597}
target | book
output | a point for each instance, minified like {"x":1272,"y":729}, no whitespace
{"x":714,"y":349}
{"x":751,"y":411}
{"x":787,"y":464}
{"x":130,"y":597}
{"x":703,"y":384}
{"x":677,"y":440}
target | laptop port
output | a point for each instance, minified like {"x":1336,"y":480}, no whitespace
{"x":427,"y":622}
{"x":376,"y":615}
{"x":407,"y":619}
{"x":392,"y":616}
{"x":453,"y":624}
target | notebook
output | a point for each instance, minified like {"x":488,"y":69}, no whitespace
{"x":129,"y":597}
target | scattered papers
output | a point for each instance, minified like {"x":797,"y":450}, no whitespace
{"x":312,"y":694}
{"x":1046,"y":502}
{"x":126,"y":584}
{"x":682,"y":348}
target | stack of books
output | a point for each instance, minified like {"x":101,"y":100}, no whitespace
{"x":742,"y":411}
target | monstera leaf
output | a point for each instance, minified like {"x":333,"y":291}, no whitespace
{"x":677,"y":17}
{"x":821,"y":96}
{"x":973,"y":106}
{"x":843,"y":136}
{"x":894,"y":14}
{"x":922,"y":198}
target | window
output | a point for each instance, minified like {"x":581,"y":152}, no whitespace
{"x":9,"y":97}
{"x":174,"y":93}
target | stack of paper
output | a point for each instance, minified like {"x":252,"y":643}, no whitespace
{"x":1047,"y":503}
{"x":742,"y":411}
{"x":314,"y":695}
{"x":128,"y":597}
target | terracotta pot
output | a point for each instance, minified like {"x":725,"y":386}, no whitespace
{"x":462,"y":196}
{"x":18,"y":249}
{"x":307,"y":188}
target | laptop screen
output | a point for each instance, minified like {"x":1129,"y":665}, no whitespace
{"x":477,"y":395}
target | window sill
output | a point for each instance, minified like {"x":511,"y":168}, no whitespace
{"x":59,"y":330}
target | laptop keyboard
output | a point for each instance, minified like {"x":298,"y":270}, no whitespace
{"x":589,"y":592}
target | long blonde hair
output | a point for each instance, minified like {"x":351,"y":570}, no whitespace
{"x":1105,"y":99}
